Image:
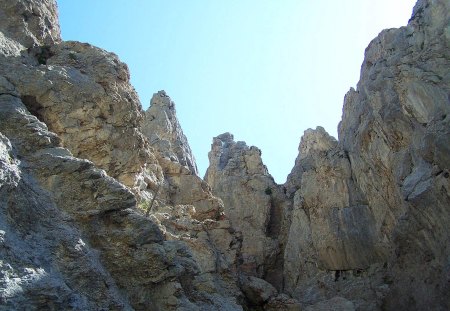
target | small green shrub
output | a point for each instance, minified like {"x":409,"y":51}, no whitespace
{"x":72,"y":56}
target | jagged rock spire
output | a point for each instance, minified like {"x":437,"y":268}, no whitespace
{"x":164,"y":132}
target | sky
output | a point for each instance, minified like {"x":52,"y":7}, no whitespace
{"x":263,"y":70}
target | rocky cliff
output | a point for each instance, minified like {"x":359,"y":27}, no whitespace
{"x":93,"y":217}
{"x":370,"y":212}
{"x":102,"y":208}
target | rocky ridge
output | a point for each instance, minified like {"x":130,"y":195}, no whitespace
{"x":102,"y":207}
{"x":172,"y":255}
{"x":368,"y":215}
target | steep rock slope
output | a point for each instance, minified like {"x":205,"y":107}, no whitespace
{"x":167,"y":260}
{"x":385,"y":183}
{"x":396,"y":130}
{"x":162,"y":128}
{"x":370,"y":212}
{"x":255,"y":205}
{"x":181,"y":184}
{"x":72,"y":237}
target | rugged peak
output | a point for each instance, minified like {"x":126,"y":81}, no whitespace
{"x":162,"y":99}
{"x":225,"y":137}
{"x":235,"y":157}
{"x":29,"y":22}
{"x":317,"y":140}
{"x":164,"y":132}
{"x":252,"y":201}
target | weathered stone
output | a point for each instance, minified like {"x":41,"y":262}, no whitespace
{"x":30,"y":22}
{"x":393,"y":128}
{"x":361,"y":223}
{"x":282,"y":302}
{"x":253,"y":202}
{"x":164,"y":132}
{"x":83,"y":94}
{"x":333,"y":304}
{"x":104,"y":244}
{"x":256,"y":290}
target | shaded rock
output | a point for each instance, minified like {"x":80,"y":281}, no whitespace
{"x":342,"y":228}
{"x":333,"y":304}
{"x":253,"y":202}
{"x":83,"y":94}
{"x":282,"y":302}
{"x":106,"y":254}
{"x":256,"y":290}
{"x":46,"y":260}
{"x":393,"y":127}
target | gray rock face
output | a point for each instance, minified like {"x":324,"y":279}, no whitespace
{"x":253,"y":202}
{"x":83,"y":94}
{"x":30,"y":22}
{"x":114,"y":257}
{"x":164,"y":132}
{"x":101,"y":206}
{"x":400,"y":151}
{"x":341,"y":224}
{"x":369,"y":212}
{"x":257,"y":290}
{"x":46,"y":260}
{"x":371,"y":202}
{"x":334,"y":304}
{"x":72,"y":237}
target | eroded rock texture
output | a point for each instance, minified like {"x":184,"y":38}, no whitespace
{"x":373,"y":208}
{"x":101,"y":207}
{"x":165,"y":134}
{"x":73,"y":236}
{"x":28,"y":23}
{"x":396,"y":130}
{"x":370,"y":213}
{"x":255,"y":205}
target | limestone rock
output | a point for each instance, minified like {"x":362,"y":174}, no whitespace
{"x":282,"y":302}
{"x":9,"y":47}
{"x":46,"y":261}
{"x":182,"y":186}
{"x":395,"y":127}
{"x":342,"y":225}
{"x":253,"y":202}
{"x":378,"y":195}
{"x":164,"y":132}
{"x":361,"y":223}
{"x":73,"y":237}
{"x":83,"y":94}
{"x":30,"y":22}
{"x":334,"y":304}
{"x":256,"y":290}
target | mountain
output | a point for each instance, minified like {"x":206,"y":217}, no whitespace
{"x":102,"y":207}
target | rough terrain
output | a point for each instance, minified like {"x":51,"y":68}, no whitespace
{"x":102,"y":208}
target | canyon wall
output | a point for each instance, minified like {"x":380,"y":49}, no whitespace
{"x":102,"y":207}
{"x":368,"y":215}
{"x":93,"y":217}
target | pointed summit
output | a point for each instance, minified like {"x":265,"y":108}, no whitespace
{"x":164,"y":132}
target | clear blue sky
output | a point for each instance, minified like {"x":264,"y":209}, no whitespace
{"x":263,"y":70}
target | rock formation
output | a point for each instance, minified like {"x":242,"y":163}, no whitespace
{"x":164,"y":132}
{"x":253,"y":202}
{"x":101,"y":207}
{"x":370,"y":212}
{"x":109,"y":254}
